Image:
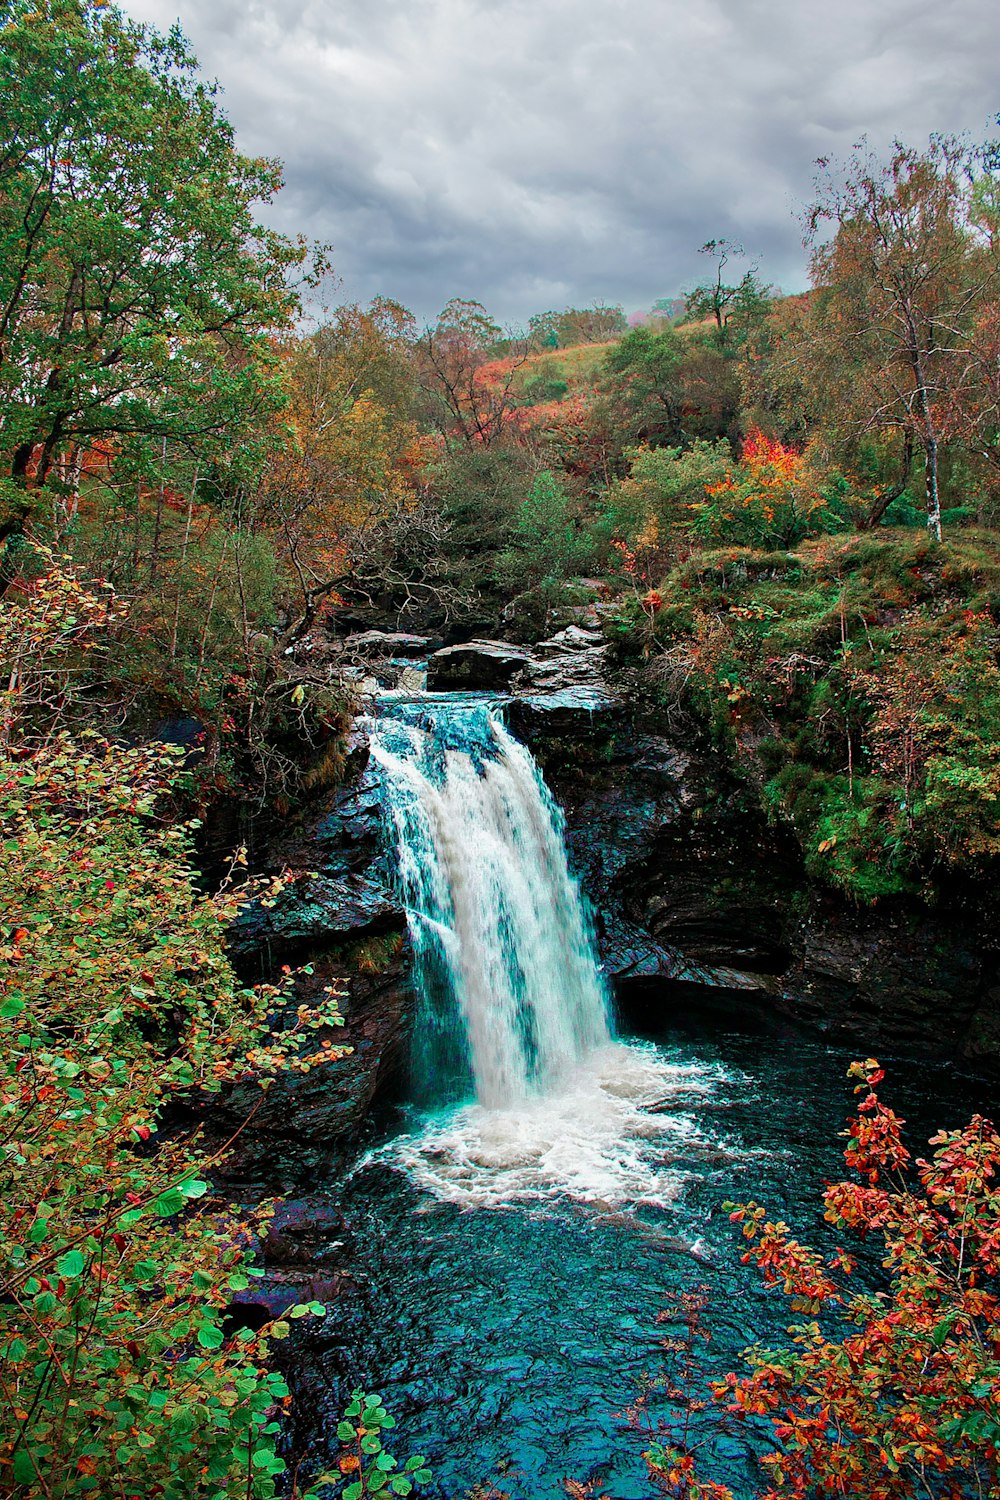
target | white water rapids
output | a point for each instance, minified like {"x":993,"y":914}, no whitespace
{"x":513,"y":1007}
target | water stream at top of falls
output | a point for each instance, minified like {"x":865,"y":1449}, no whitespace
{"x":504,"y":953}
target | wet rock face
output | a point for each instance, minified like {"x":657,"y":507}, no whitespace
{"x":298,"y":1133}
{"x":563,"y":686}
{"x":338,"y":922}
{"x":907,"y":977}
{"x":314,"y":910}
{"x":691,"y":887}
{"x":671,"y":857}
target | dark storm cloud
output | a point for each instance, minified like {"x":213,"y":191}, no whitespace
{"x":532,"y":153}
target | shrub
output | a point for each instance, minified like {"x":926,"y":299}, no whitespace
{"x":894,"y":1395}
{"x":116,"y":994}
{"x":771,"y":500}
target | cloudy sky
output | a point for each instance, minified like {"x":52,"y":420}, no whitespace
{"x":538,"y":153}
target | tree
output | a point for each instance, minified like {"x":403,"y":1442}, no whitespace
{"x":599,"y":324}
{"x":769,"y":501}
{"x":644,"y":370}
{"x":731,"y":306}
{"x":898,"y":286}
{"x":350,"y":460}
{"x":137,"y":290}
{"x":654,"y":504}
{"x":673,"y":387}
{"x":468,"y":370}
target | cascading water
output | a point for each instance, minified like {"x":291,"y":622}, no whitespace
{"x":505,"y":957}
{"x":513,"y":1007}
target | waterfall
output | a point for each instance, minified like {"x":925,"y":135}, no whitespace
{"x":505,"y":960}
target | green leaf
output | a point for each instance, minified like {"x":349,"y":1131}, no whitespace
{"x":353,"y":1491}
{"x":169,"y":1203}
{"x":346,"y":1433}
{"x":24,"y":1469}
{"x":210,"y":1337}
{"x":401,"y":1485}
{"x":71,"y":1264}
{"x":942,"y":1331}
{"x":10,"y":1008}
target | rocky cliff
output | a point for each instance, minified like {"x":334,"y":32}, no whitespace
{"x":696,"y":900}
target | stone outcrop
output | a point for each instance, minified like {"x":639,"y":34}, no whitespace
{"x":691,"y":887}
{"x":475,"y":666}
{"x":340,"y":924}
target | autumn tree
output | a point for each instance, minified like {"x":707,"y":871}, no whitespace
{"x":468,"y":371}
{"x":898,"y":285}
{"x":348,"y":468}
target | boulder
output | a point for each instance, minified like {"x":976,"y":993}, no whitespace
{"x":574,"y":638}
{"x":560,"y":711}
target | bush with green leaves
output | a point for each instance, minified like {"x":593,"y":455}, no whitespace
{"x":117,"y":1263}
{"x":364,"y":1466}
{"x":854,"y":682}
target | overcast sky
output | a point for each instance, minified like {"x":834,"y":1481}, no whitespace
{"x":542,"y":153}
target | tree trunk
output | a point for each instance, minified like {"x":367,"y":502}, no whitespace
{"x":933,"y":492}
{"x":882,"y":504}
{"x":930,"y":441}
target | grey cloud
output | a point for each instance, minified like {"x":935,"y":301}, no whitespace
{"x":536,"y":152}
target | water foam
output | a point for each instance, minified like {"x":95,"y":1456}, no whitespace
{"x":594,"y":1140}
